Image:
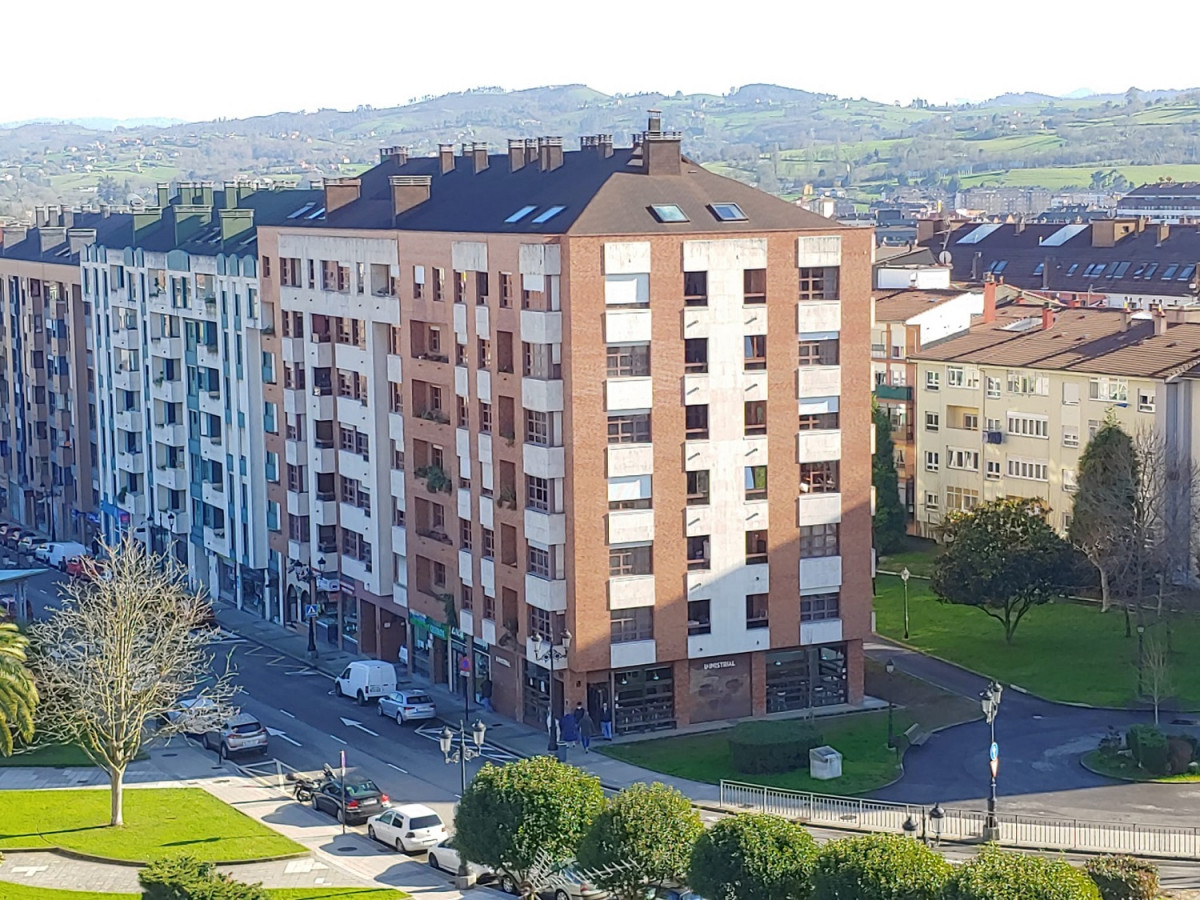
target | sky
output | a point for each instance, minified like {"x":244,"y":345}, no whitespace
{"x":194,"y":60}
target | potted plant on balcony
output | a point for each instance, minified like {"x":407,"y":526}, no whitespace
{"x":507,"y":497}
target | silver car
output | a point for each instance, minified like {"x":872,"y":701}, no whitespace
{"x":406,"y":706}
{"x":243,"y":733}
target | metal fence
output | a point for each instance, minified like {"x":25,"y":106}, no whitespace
{"x":1032,"y":832}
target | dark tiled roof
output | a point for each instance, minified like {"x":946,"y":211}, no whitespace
{"x":600,"y":195}
{"x":1163,"y":190}
{"x":1092,"y":341}
{"x":1069,"y":255}
{"x":109,"y":228}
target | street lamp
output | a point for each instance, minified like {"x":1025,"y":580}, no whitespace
{"x":904,"y":576}
{"x":910,"y":828}
{"x":462,"y":754}
{"x":990,"y":703}
{"x":545,"y":652}
{"x":313,"y":574}
{"x":890,"y":668}
{"x":1141,"y":630}
{"x":935,"y":817}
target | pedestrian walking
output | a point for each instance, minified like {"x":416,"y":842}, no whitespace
{"x":578,"y":713}
{"x":606,"y":721}
{"x":485,"y":694}
{"x":569,"y":729}
{"x":587,"y":728}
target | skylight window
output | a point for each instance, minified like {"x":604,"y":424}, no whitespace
{"x":728,"y":212}
{"x":1120,"y":270}
{"x":668,"y":212}
{"x":998,"y":266}
{"x":1169,"y":272}
{"x":302,"y":210}
{"x":1150,"y":270}
{"x":1186,"y":273}
{"x":1074,"y":266}
{"x":548,"y":215}
{"x":519,"y":214}
{"x":1039,"y":268}
{"x":316,"y":213}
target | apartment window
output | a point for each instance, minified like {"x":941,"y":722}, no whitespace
{"x":1070,"y":481}
{"x":628,"y":360}
{"x":695,"y":289}
{"x":489,"y":607}
{"x":954,"y":376}
{"x":819,"y":477}
{"x":931,"y":500}
{"x":818,"y":421}
{"x":488,"y":542}
{"x":464,"y":533}
{"x":485,"y":353}
{"x":696,"y":422}
{"x":695,"y":355}
{"x":993,"y":387}
{"x":463,"y":415}
{"x":697,"y":488}
{"x":699,"y":614}
{"x":993,"y":424}
{"x":634,"y":560}
{"x":537,"y":428}
{"x":1145,"y":400}
{"x":820,"y":283}
{"x":819,"y":353}
{"x":418,"y":282}
{"x":1093,"y":427}
{"x":960,"y":499}
{"x":756,"y":611}
{"x":932,"y":421}
{"x":539,"y":562}
{"x":1027,"y":469}
{"x":756,"y":547}
{"x":754,"y":352}
{"x":697,"y":552}
{"x":398,"y":457}
{"x":506,"y":289}
{"x":993,"y":470}
{"x":1070,"y":393}
{"x":1027,"y":384}
{"x":756,"y":482}
{"x":755,"y":417}
{"x":485,"y":417}
{"x":931,"y":460}
{"x":754,"y":286}
{"x":631,"y":428}
{"x":537,"y":493}
{"x":632,"y":624}
{"x":933,"y":380}
{"x":962,"y":459}
{"x":817,"y":541}
{"x":819,"y":607}
{"x":970,"y":421}
{"x":439,"y":284}
{"x":1028,"y":426}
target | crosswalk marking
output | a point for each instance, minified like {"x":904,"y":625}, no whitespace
{"x":490,"y":751}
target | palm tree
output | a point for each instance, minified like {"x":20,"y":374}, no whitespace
{"x":18,"y":694}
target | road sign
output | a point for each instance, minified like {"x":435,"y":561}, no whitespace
{"x":310,"y":610}
{"x":464,"y":665}
{"x":994,"y":751}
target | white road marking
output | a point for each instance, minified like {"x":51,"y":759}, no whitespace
{"x":338,"y":739}
{"x":28,"y":870}
{"x":275,"y":732}
{"x":398,"y":769}
{"x":352,"y":723}
{"x":288,"y":714}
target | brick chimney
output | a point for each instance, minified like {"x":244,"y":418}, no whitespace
{"x":1160,"y":320}
{"x":551,"y":156}
{"x":661,"y":153}
{"x":516,"y":154}
{"x":1048,"y":316}
{"x":532,"y":150}
{"x":605,"y":144}
{"x":989,"y":298}
{"x":1164,"y":232}
{"x":79,"y":238}
{"x":479,"y":156}
{"x":51,"y":236}
{"x":341,"y":191}
{"x":409,"y":191}
{"x":446,"y":157}
{"x":398,"y":153}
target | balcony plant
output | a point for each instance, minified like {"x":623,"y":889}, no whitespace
{"x":436,"y":478}
{"x":507,"y":497}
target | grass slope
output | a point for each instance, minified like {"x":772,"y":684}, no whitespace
{"x":158,"y":821}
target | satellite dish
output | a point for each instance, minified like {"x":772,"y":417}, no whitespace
{"x":945,"y":258}
{"x":135,"y":200}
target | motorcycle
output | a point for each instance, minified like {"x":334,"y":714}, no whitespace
{"x":305,"y":786}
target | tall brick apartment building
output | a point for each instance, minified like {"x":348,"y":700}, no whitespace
{"x":601,"y":392}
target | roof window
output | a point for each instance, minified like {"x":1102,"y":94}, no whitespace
{"x":519,"y":214}
{"x":316,"y":213}
{"x":1071,"y":271}
{"x":1150,"y":270}
{"x":998,"y":266}
{"x":668,"y":212}
{"x":728,"y":212}
{"x":548,"y":215}
{"x":1185,"y":273}
{"x":302,"y":210}
{"x":1039,"y":268}
{"x":1169,"y":272}
{"x":1120,"y":270}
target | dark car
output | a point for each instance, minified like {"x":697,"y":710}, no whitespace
{"x":360,"y":799}
{"x":13,"y":536}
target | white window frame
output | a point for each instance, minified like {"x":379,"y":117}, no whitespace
{"x":994,"y":470}
{"x":968,"y":498}
{"x":931,"y":500}
{"x":966,"y":460}
{"x":933,"y":421}
{"x":1146,"y":400}
{"x":955,"y":377}
{"x":993,"y":387}
{"x":931,"y":461}
{"x":933,"y":380}
{"x":1070,"y":481}
{"x":1028,"y":469}
{"x":1025,"y":425}
{"x":1070,"y":435}
{"x":1108,"y":390}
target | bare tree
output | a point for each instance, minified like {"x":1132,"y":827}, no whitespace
{"x":1154,"y":673}
{"x":120,"y":652}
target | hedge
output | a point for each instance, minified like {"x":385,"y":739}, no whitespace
{"x":1149,"y":748}
{"x":878,"y":867}
{"x":757,"y":748}
{"x":996,"y":874}
{"x":1124,"y":877}
{"x":188,"y":878}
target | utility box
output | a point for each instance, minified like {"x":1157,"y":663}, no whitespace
{"x":824,"y":763}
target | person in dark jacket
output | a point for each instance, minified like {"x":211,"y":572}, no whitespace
{"x":568,"y":729}
{"x":606,"y":720}
{"x":587,"y":728}
{"x":578,"y":713}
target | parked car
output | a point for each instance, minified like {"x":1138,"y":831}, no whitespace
{"x":56,"y":553}
{"x":242,"y":733}
{"x":30,"y":542}
{"x":12,"y":537}
{"x":74,"y":567}
{"x":446,"y":858}
{"x":192,"y":708}
{"x":409,"y":828}
{"x":673,"y":893}
{"x":360,"y":800}
{"x":8,"y":609}
{"x":366,"y":680}
{"x":405,"y":706}
{"x":565,"y":883}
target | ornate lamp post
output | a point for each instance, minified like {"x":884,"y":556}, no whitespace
{"x":545,"y":652}
{"x":990,"y":703}
{"x":904,"y":576}
{"x":313,"y":572}
{"x":890,"y":668}
{"x":462,"y":754}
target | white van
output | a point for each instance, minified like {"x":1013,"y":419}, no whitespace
{"x":366,"y":680}
{"x":57,"y":553}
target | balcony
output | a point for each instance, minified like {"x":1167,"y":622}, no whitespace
{"x":297,"y":503}
{"x":631,"y":654}
{"x":549,"y":594}
{"x":213,"y":494}
{"x":818,"y":509}
{"x":126,"y":380}
{"x":319,"y":354}
{"x":215,"y":540}
{"x":630,"y":526}
{"x":630,"y":591}
{"x":132,"y":462}
{"x":818,"y":316}
{"x":544,"y":462}
{"x":812,"y":446}
{"x":628,"y":393}
{"x":890,"y":392}
{"x":172,"y":478}
{"x":128,"y":420}
{"x":168,"y":391}
{"x":625,"y":326}
{"x":818,"y":381}
{"x":541,"y":327}
{"x":542,"y":395}
{"x":629,"y":459}
{"x":820,"y":572}
{"x":828,"y":631}
{"x":324,"y":509}
{"x":167,"y":347}
{"x":125,"y":339}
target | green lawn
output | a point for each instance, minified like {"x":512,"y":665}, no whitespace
{"x":1062,"y":177}
{"x":158,"y":821}
{"x":11,"y":891}
{"x":1062,"y":651}
{"x":918,"y":554}
{"x":56,"y":755}
{"x":867,"y":763}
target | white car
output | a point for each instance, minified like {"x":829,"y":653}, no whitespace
{"x":445,"y":858}
{"x":409,"y":828}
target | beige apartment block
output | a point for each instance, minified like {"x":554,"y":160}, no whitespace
{"x":600,"y":392}
{"x":1007,"y":409}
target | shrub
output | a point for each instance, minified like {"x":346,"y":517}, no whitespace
{"x":1110,"y":744}
{"x":760,"y":747}
{"x":1179,"y":754}
{"x":187,"y":878}
{"x":1152,"y":752}
{"x":1124,"y":878}
{"x":878,"y":867}
{"x":997,"y":874}
{"x":761,"y":856}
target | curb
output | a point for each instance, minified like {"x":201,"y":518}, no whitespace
{"x":142,"y":863}
{"x":1125,"y":778}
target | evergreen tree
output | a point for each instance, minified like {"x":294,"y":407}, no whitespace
{"x":890,"y":517}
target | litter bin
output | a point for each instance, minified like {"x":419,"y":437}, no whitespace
{"x":824,"y":763}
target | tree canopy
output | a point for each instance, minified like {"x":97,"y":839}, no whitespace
{"x":878,"y":867}
{"x":890,"y":516}
{"x":762,"y":856}
{"x":18,"y":693}
{"x":1003,"y":558}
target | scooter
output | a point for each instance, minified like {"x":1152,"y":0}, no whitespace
{"x":304,"y":786}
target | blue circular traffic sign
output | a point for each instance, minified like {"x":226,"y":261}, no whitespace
{"x":994,"y":751}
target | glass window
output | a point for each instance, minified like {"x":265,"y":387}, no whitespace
{"x":696,"y":422}
{"x":728,"y":212}
{"x":755,"y":416}
{"x":695,"y":355}
{"x":668,"y":212}
{"x":699,"y":617}
{"x":818,"y":607}
{"x":756,"y":482}
{"x":632,"y":428}
{"x":756,"y":611}
{"x":632,"y":624}
{"x":633,"y":560}
{"x":818,"y":541}
{"x":697,"y":488}
{"x":819,"y":477}
{"x":628,"y":360}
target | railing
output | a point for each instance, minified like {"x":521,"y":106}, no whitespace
{"x":1034,"y":832}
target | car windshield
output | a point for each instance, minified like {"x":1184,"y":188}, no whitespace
{"x":424,"y":822}
{"x":418,"y":698}
{"x":361,"y":788}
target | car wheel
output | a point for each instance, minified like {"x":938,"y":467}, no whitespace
{"x":433,"y":862}
{"x":341,"y":815}
{"x":337,"y":689}
{"x":399,"y":717}
{"x":508,"y":884}
{"x":224,"y":751}
{"x":400,"y":846}
{"x":361,"y":699}
{"x":316,"y":804}
{"x":560,"y":894}
{"x":371,"y":832}
{"x":379,"y":710}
